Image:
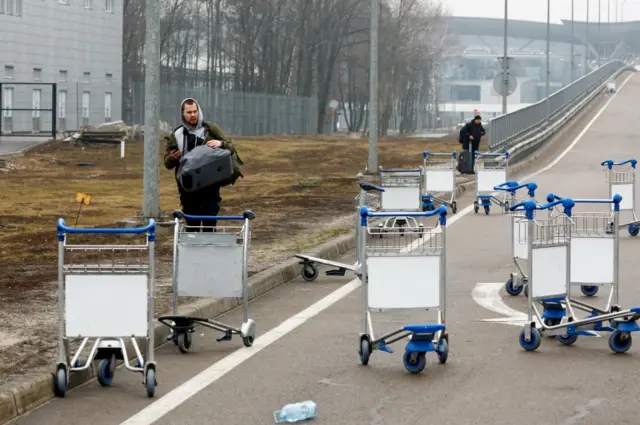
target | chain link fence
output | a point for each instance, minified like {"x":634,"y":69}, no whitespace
{"x":507,"y":130}
{"x":237,"y":113}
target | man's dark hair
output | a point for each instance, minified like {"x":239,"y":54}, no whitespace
{"x":187,"y":102}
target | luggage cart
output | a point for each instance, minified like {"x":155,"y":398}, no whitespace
{"x":398,"y":276}
{"x":518,"y":278}
{"x":210,"y":262}
{"x":490,"y":172}
{"x":367,"y":197}
{"x":549,"y":244}
{"x":591,"y":269}
{"x":402,"y":192}
{"x":87,"y":292}
{"x":622,"y":181}
{"x":439,"y":176}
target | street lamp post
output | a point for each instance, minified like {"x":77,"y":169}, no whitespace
{"x":548,"y":54}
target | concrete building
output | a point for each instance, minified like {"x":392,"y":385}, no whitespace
{"x":76,"y":44}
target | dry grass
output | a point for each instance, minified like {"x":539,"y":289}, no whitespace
{"x":300,"y":188}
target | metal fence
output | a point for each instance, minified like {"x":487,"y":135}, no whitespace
{"x":242,"y":114}
{"x":507,"y":130}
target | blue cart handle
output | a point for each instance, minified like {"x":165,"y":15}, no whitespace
{"x":615,"y":201}
{"x":610,"y":163}
{"x":369,"y":186}
{"x":477,"y":154}
{"x":246,"y":215}
{"x":530,"y":206}
{"x":425,"y":154}
{"x":512,"y":187}
{"x":442,"y":211}
{"x":149,"y":228}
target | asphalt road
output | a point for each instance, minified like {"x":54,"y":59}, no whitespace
{"x":13,"y":144}
{"x":308,"y":341}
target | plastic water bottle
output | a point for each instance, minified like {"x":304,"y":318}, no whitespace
{"x":295,"y":412}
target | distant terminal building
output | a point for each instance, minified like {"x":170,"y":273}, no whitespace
{"x":466,"y":81}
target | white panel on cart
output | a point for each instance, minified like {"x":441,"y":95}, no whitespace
{"x":520,"y":237}
{"x":106,"y":305}
{"x":549,"y":276}
{"x":401,"y":198}
{"x":403,"y":282}
{"x":592,"y":260}
{"x":626,"y":191}
{"x":209,"y":265}
{"x":488,"y":179}
{"x":439,"y":180}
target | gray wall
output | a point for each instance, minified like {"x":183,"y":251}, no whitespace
{"x":55,"y":37}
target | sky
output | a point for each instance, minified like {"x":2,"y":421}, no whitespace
{"x":536,"y":10}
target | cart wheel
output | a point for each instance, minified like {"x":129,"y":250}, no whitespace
{"x":150,"y":379}
{"x":512,"y":290}
{"x":567,"y":339}
{"x":620,"y":342}
{"x":454,"y":207}
{"x":309,"y":272}
{"x":105,"y":377}
{"x":247,"y":341}
{"x":633,"y":229}
{"x":487,"y":208}
{"x":414,"y":362}
{"x":365,"y":350}
{"x":534,"y":343}
{"x":443,"y":350}
{"x":476,"y":207}
{"x":589,"y":290}
{"x":551,"y":322}
{"x":60,"y":384}
{"x":184,"y":341}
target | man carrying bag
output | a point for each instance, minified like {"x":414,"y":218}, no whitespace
{"x":201,"y":173}
{"x":470,"y":136}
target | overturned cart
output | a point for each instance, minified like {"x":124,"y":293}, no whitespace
{"x":366,"y":198}
{"x":210,"y":261}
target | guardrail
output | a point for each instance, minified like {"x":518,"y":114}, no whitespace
{"x":509,"y":130}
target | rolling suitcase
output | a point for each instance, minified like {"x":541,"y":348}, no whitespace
{"x":204,"y":166}
{"x":465,"y":165}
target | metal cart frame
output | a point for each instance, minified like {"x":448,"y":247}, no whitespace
{"x":549,"y":245}
{"x":367,"y":197}
{"x":85,"y":291}
{"x":439,"y":177}
{"x":398,"y":196}
{"x":210,"y":267}
{"x":623,"y":182}
{"x":418,"y":274}
{"x":518,"y":277}
{"x":490,"y":172}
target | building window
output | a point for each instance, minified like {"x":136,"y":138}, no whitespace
{"x":107,"y":107}
{"x":109,"y":6}
{"x":87,"y":4}
{"x":63,"y":2}
{"x":37,"y":74}
{"x":8,"y":70}
{"x":86,"y":77}
{"x":11,"y":7}
{"x":62,"y":104}
{"x":63,"y":75}
{"x":109,"y":78}
{"x":86,"y":97}
{"x":35,"y":102}
{"x":7,"y":99}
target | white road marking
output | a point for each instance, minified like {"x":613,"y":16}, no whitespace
{"x":179,"y":395}
{"x":487,"y":295}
